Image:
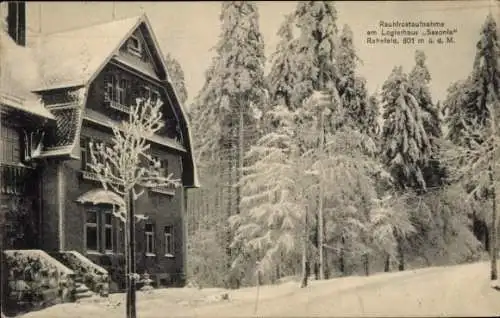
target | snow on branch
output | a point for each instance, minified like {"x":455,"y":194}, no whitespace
{"x":126,"y":161}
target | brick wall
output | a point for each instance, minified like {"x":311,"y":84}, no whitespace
{"x":162,"y":209}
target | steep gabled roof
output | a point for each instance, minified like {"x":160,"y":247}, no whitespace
{"x":71,"y":58}
{"x":75,"y":57}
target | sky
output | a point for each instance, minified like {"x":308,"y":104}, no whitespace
{"x":189,"y":31}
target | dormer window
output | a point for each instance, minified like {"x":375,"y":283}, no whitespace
{"x":134,"y":46}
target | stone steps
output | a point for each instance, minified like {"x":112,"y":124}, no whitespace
{"x":82,"y":291}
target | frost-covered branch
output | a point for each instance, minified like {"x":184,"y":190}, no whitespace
{"x":126,"y":162}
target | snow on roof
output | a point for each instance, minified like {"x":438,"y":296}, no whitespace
{"x":74,"y":56}
{"x":19,"y":72}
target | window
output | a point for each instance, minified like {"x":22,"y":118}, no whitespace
{"x":163,"y":165}
{"x":108,"y":231}
{"x":169,"y":241}
{"x":146,"y":93}
{"x":91,"y":230}
{"x":11,"y":145}
{"x":121,"y":92}
{"x":155,"y":96}
{"x":101,"y":231}
{"x":109,"y":85}
{"x":150,"y":239}
{"x":84,"y":153}
{"x":134,"y":45}
{"x":115,"y":92}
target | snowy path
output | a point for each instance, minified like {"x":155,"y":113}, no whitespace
{"x":441,"y":291}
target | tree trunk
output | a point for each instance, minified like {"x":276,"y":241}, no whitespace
{"x":239,"y":170}
{"x":401,"y":256}
{"x":241,"y":153}
{"x":131,"y":308}
{"x":493,"y":240}
{"x":366,"y":263}
{"x":229,"y":155}
{"x":342,"y":256}
{"x":387,"y":266}
{"x":320,"y":203}
{"x":305,"y":260}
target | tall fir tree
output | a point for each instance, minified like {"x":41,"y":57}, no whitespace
{"x":282,"y":76}
{"x":419,"y":80}
{"x":269,"y":228}
{"x":353,"y":94}
{"x":177,"y":76}
{"x":406,"y":145}
{"x":315,"y":63}
{"x":316,"y":48}
{"x":235,"y":91}
{"x":474,"y":117}
{"x":467,"y":100}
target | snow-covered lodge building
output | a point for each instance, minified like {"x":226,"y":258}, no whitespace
{"x":60,"y":91}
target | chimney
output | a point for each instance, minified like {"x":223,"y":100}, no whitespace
{"x":16,"y":21}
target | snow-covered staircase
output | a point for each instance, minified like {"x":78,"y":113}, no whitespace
{"x":90,"y":278}
{"x":81,"y":290}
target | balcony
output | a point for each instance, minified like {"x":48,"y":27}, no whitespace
{"x":116,"y":105}
{"x":14,"y":178}
{"x":89,"y":175}
{"x":170,"y":190}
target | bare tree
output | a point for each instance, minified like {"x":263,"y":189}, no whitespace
{"x":126,"y":167}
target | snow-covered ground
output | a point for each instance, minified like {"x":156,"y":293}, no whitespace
{"x":462,"y":290}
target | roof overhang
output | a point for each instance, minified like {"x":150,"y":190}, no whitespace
{"x":30,"y":108}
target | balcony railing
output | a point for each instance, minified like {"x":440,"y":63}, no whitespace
{"x":89,"y":175}
{"x":116,"y":105}
{"x":14,"y":178}
{"x":170,"y":190}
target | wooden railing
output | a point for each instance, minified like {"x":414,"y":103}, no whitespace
{"x":170,"y":190}
{"x":116,"y":105}
{"x":14,"y":178}
{"x":90,"y":175}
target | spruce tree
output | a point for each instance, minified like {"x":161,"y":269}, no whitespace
{"x":177,"y":76}
{"x":359,"y":109}
{"x":235,"y":91}
{"x":419,"y":80}
{"x":269,"y":228}
{"x":406,"y":145}
{"x":282,"y":76}
{"x":316,"y":48}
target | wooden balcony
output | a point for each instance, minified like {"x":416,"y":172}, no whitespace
{"x":164,"y":190}
{"x":116,"y":105}
{"x":89,"y":175}
{"x":14,"y":178}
